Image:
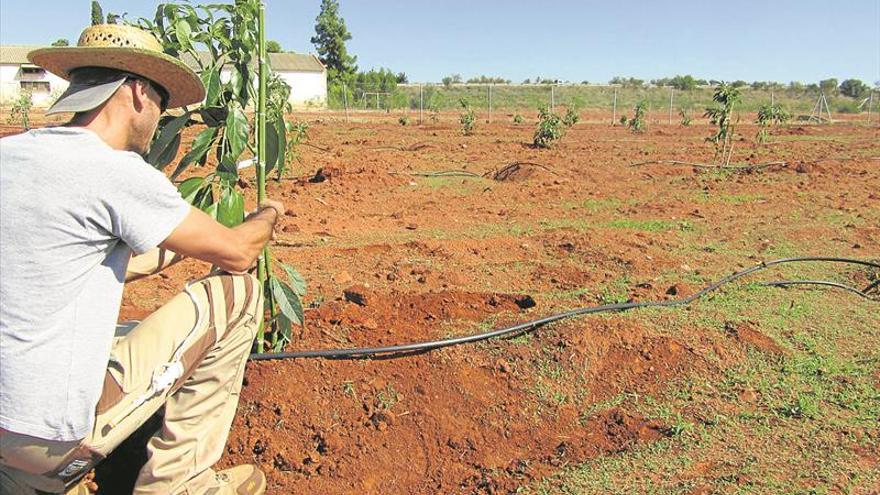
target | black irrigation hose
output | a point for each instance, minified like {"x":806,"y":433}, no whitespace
{"x":788,"y":283}
{"x":418,"y":347}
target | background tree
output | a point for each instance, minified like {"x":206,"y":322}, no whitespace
{"x":684,"y":83}
{"x":273,"y":46}
{"x":329,"y":40}
{"x":854,"y":88}
{"x":451,"y":79}
{"x":401,"y":78}
{"x":97,"y":13}
{"x":61,"y":42}
{"x":828,"y":86}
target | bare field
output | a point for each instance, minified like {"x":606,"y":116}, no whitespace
{"x":754,"y":390}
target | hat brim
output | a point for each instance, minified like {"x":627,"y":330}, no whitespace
{"x":84,"y":97}
{"x":183,"y":85}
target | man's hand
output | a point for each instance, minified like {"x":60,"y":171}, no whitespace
{"x":275,"y":205}
{"x":234,"y":250}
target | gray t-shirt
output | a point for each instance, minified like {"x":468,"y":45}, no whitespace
{"x":72,"y":211}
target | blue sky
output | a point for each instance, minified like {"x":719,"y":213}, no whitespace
{"x":780,"y":40}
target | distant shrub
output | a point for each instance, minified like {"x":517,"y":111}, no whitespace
{"x":518,"y":119}
{"x":847,"y":107}
{"x":468,"y":119}
{"x":571,"y":117}
{"x":550,"y":128}
{"x":403,"y":120}
{"x":623,"y":120}
{"x":638,"y":122}
{"x":20,"y":113}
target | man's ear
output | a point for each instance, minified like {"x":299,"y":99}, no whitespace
{"x":139,"y":94}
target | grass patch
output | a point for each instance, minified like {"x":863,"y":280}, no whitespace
{"x":794,"y":423}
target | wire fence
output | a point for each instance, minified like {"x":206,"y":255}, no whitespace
{"x":665,"y":104}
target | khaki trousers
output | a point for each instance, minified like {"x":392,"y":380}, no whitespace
{"x":211,"y":329}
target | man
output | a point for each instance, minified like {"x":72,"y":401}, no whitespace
{"x":80,"y":213}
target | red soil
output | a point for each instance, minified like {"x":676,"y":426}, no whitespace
{"x":398,"y":258}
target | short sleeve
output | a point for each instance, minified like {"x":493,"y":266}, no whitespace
{"x":144,"y":207}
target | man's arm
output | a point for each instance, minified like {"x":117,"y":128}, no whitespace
{"x":150,"y":263}
{"x":232,"y":249}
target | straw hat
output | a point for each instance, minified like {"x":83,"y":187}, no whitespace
{"x":127,"y":49}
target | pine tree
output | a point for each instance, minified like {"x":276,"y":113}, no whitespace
{"x":330,"y":37}
{"x":97,"y":13}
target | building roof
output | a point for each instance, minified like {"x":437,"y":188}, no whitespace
{"x":15,"y":54}
{"x":295,"y":62}
{"x":280,"y":62}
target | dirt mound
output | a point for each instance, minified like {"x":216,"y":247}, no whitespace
{"x":745,"y":333}
{"x":405,"y":315}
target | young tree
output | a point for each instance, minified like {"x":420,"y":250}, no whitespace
{"x":97,"y":13}
{"x":329,"y":40}
{"x":61,"y":42}
{"x":273,"y":46}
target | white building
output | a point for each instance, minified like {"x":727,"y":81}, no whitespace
{"x":305,"y":74}
{"x":17,"y":74}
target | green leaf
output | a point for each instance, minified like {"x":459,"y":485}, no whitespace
{"x":236,"y":82}
{"x":231,"y":210}
{"x":227,"y":170}
{"x":281,"y":131}
{"x":211,"y":210}
{"x":297,"y":282}
{"x":287,"y":300}
{"x":183,"y":31}
{"x":283,"y":327}
{"x":204,"y":198}
{"x":213,"y":116}
{"x":190,"y":187}
{"x":166,"y":136}
{"x":170,"y":152}
{"x":211,"y":80}
{"x":237,"y":132}
{"x":200,"y":146}
{"x":271,"y":147}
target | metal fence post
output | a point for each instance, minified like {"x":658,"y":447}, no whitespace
{"x":345,"y":100}
{"x":489,"y":91}
{"x":552,"y":97}
{"x":421,"y":103}
{"x":671,"y":93}
{"x":614,"y":108}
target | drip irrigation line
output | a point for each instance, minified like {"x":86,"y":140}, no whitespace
{"x":499,"y":174}
{"x":325,"y":150}
{"x":705,"y":166}
{"x":418,"y":347}
{"x":788,"y":283}
{"x":439,"y":173}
